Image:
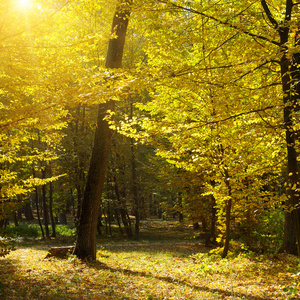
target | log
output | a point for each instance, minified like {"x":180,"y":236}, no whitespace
{"x":60,"y":252}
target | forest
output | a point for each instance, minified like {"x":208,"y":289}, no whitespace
{"x":162,"y":130}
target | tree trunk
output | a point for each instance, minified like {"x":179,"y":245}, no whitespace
{"x":45,"y":206}
{"x":15,"y":218}
{"x":227,"y":214}
{"x":87,"y":228}
{"x":213,"y":219}
{"x":38,"y":211}
{"x":289,"y":244}
{"x":51,"y":207}
{"x":118,"y":221}
{"x":123,"y":210}
{"x":290,"y":99}
{"x":134,"y":185}
{"x":28,"y":212}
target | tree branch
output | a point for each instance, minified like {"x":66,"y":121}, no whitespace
{"x":226,"y":23}
{"x":288,"y":10}
{"x":238,"y":115}
{"x":269,"y":14}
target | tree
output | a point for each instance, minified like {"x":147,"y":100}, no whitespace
{"x":217,"y":104}
{"x":87,"y":228}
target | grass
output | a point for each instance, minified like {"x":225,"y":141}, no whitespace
{"x":167,"y":263}
{"x":33,"y":230}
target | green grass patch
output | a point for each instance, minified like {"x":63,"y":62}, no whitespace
{"x":33,"y":230}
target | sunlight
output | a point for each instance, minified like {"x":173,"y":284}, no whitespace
{"x":24,"y":3}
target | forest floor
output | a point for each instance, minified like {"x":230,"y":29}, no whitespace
{"x":166,"y":263}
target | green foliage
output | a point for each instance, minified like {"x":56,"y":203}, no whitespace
{"x":29,"y":230}
{"x":269,"y":231}
{"x":23,"y":230}
{"x":65,"y":230}
{"x":212,"y":112}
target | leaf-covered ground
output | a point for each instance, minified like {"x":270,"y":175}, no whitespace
{"x":148,"y":269}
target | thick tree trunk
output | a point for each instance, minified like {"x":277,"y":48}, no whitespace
{"x":87,"y":228}
{"x":290,"y":87}
{"x":290,"y":99}
{"x":289,"y":244}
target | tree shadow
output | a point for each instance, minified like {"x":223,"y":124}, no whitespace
{"x":175,"y":247}
{"x":223,"y":293}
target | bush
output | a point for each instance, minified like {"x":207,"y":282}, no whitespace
{"x":269,"y":232}
{"x":23,"y":230}
{"x":65,"y":230}
{"x":29,"y":230}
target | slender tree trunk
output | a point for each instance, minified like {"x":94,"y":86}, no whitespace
{"x":123,"y":210}
{"x":227,"y":214}
{"x":38,"y":211}
{"x":15,"y":218}
{"x":28,"y":212}
{"x":51,"y":209}
{"x":87,"y":228}
{"x":45,"y":206}
{"x":180,"y":214}
{"x":118,"y":221}
{"x":134,"y":185}
{"x":135,"y":193}
{"x":213,"y":219}
{"x":109,"y":218}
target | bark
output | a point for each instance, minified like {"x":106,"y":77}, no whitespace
{"x":227,"y":214}
{"x":63,"y":218}
{"x":290,"y":99}
{"x":134,"y":184}
{"x":45,"y":207}
{"x":15,"y":218}
{"x":227,"y":233}
{"x":290,"y":87}
{"x":80,"y":167}
{"x":213,"y":219}
{"x":38,"y":211}
{"x":118,"y":221}
{"x":123,"y":210}
{"x":51,"y":210}
{"x":28,"y":212}
{"x":87,"y":228}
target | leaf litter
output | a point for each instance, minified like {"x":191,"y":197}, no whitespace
{"x":180,"y":269}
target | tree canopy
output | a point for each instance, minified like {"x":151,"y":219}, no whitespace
{"x":210,"y":87}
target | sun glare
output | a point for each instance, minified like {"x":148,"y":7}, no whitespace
{"x":24,"y":3}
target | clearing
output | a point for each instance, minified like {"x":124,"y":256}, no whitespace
{"x":167,"y":263}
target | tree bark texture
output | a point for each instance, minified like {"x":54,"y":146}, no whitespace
{"x":228,"y":206}
{"x":290,"y":86}
{"x":290,"y":99}
{"x":87,"y":228}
